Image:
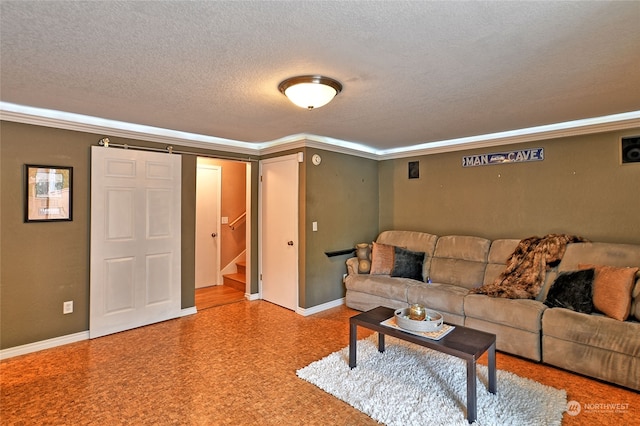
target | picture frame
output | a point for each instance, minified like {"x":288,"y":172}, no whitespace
{"x":48,"y":193}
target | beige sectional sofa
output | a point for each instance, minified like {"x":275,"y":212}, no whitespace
{"x":590,"y":344}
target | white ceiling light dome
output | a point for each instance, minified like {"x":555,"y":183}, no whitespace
{"x":310,"y":91}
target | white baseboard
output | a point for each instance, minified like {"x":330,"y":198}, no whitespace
{"x":43,"y":344}
{"x":319,"y":308}
{"x":188,"y":311}
{"x":62,"y":340}
{"x":84,"y":335}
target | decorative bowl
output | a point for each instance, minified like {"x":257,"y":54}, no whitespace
{"x":433,"y":321}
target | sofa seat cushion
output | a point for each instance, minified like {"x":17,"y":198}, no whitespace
{"x":441,"y":297}
{"x":365,"y":301}
{"x":592,"y":330}
{"x":380,"y":285}
{"x":524,"y":314}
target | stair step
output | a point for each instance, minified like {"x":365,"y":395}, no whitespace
{"x":241,"y":267}
{"x":237,"y":281}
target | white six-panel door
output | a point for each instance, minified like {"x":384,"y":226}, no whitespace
{"x":135,"y":239}
{"x":279,"y":230}
{"x":208,"y":182}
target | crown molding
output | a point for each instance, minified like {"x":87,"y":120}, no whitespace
{"x":111,"y":128}
{"x":320,"y":144}
{"x":561,"y":130}
{"x":303,"y":140}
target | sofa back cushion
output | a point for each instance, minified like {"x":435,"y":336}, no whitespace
{"x":414,"y":241}
{"x":500,"y":251}
{"x":460,"y":260}
{"x":609,"y":254}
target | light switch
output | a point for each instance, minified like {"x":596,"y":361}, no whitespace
{"x":224,"y":220}
{"x":315,"y":226}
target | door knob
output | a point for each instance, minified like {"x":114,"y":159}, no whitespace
{"x":290,"y":243}
{"x":213,"y":234}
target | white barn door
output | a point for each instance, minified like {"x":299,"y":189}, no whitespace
{"x":135,"y":239}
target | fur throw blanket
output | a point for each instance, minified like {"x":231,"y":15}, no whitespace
{"x":526,"y":268}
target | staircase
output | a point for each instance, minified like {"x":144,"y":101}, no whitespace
{"x":238,"y":280}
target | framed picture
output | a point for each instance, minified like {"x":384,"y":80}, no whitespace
{"x":48,"y":193}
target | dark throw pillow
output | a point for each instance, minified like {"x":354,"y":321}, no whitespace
{"x":572,"y":290}
{"x":407,"y":264}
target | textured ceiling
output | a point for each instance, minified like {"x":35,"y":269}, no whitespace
{"x":413,"y":72}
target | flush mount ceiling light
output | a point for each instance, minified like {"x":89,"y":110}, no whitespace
{"x":310,"y":91}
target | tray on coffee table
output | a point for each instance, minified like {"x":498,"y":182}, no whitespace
{"x":433,"y":335}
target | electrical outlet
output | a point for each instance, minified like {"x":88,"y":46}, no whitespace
{"x":67,"y":307}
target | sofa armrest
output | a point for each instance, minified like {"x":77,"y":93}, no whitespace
{"x":352,"y":266}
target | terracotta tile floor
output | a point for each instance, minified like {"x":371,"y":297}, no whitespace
{"x":228,"y":365}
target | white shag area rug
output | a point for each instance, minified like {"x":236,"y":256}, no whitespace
{"x":412,"y":385}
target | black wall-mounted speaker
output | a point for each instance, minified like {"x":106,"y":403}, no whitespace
{"x":631,"y":149}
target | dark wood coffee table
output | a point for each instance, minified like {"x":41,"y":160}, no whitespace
{"x":463,"y":342}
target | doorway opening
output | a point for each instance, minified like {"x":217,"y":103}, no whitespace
{"x":223,"y":210}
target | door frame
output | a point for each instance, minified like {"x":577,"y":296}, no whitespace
{"x":248,"y":230}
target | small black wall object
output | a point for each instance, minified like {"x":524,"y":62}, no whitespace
{"x":414,"y":169}
{"x":631,"y":149}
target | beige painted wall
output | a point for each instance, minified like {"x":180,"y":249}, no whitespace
{"x":47,"y":263}
{"x":341,"y":194}
{"x":44,"y":264}
{"x":581,"y":188}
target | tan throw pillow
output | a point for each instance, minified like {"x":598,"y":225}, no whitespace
{"x":382,"y":258}
{"x":612,"y":290}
